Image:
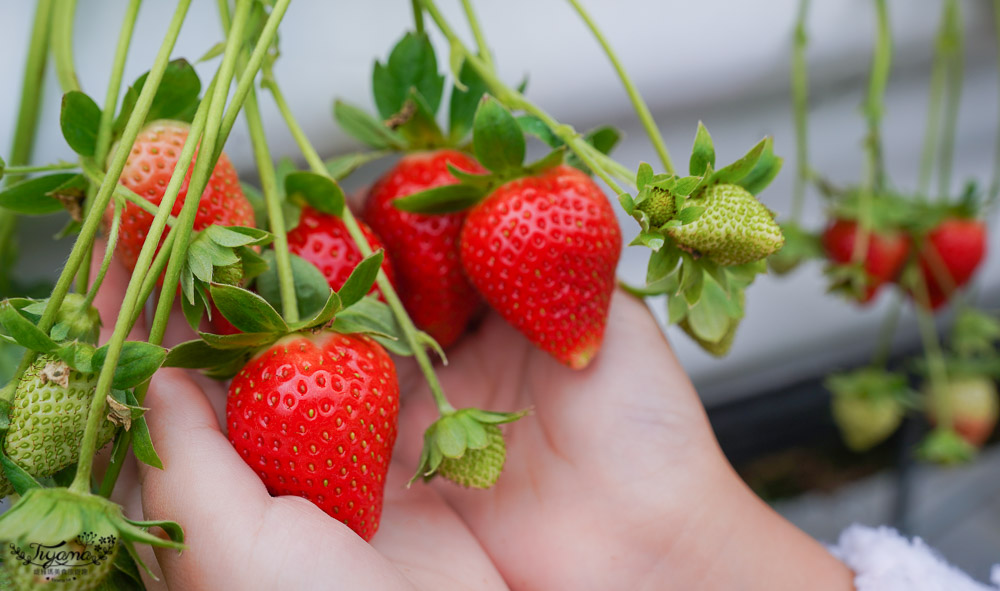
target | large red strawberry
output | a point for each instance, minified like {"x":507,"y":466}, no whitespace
{"x":323,"y":240}
{"x":950,"y":255}
{"x":147,"y":172}
{"x":424,"y":247}
{"x":883,"y":261}
{"x":315,"y":416}
{"x":542,"y":250}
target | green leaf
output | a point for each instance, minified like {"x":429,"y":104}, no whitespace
{"x":534,"y":126}
{"x":764,"y":172}
{"x":443,"y":199}
{"x":213,"y":52}
{"x":342,"y":166}
{"x":24,"y":331}
{"x":361,"y":279}
{"x":246,"y":310}
{"x":175,"y":98}
{"x":417,"y":124}
{"x":677,"y":309}
{"x":462,"y":107}
{"x":18,"y":477}
{"x":411,"y":64}
{"x":702,"y":153}
{"x":243,"y":340}
{"x":643,"y":176}
{"x":79,"y":119}
{"x":77,"y":355}
{"x":661,"y":263}
{"x":311,"y":287}
{"x":374,"y":318}
{"x":742,"y":167}
{"x":321,"y":193}
{"x":708,"y":318}
{"x":323,"y":316}
{"x":198,"y":354}
{"x":690,"y":214}
{"x":497,"y":138}
{"x":366,"y":128}
{"x":449,"y":436}
{"x":32,"y":196}
{"x":142,"y":443}
{"x":137,"y":363}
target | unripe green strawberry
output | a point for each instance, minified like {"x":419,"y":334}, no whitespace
{"x":478,"y":468}
{"x":229,"y":275}
{"x":866,"y":421}
{"x":47,"y":418}
{"x":81,"y":564}
{"x":81,"y":325}
{"x":659,"y":207}
{"x":718,"y":348}
{"x":734,"y":229}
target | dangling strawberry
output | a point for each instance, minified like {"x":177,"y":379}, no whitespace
{"x":882,"y":261}
{"x":949,"y":257}
{"x":972,"y":404}
{"x":322,"y":239}
{"x":147,"y":172}
{"x":424,"y":247}
{"x":315,"y":416}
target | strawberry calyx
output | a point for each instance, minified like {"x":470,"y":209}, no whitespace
{"x":56,"y":516}
{"x":945,"y":446}
{"x":466,"y":447}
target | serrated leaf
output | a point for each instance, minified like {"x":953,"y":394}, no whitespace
{"x":32,"y":196}
{"x":463,"y":102}
{"x":497,"y":138}
{"x":311,"y":288}
{"x":361,"y":280}
{"x":366,"y":128}
{"x":702,"y":153}
{"x":246,"y":310}
{"x":443,"y":199}
{"x":411,"y":64}
{"x":79,"y":119}
{"x":320,"y":192}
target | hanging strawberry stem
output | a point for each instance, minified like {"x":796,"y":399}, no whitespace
{"x":952,"y":46}
{"x":942,"y":48}
{"x":477,"y":33}
{"x":62,"y":44}
{"x":640,"y":106}
{"x":800,"y":109}
{"x":995,"y":183}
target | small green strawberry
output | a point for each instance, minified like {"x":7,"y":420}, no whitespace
{"x":478,"y":468}
{"x":47,"y":418}
{"x":659,"y":207}
{"x":868,"y":405}
{"x":734,"y":228}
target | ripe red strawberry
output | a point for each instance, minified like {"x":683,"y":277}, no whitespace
{"x":542,"y":250}
{"x":147,"y":172}
{"x":950,"y":256}
{"x":886,"y":255}
{"x":322,"y":239}
{"x":315,"y":416}
{"x":972,"y":404}
{"x":424,"y":247}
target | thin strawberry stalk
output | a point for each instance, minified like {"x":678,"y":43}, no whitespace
{"x":410,"y":331}
{"x":109,"y":251}
{"x":103,"y":141}
{"x":418,"y":16}
{"x":889,"y":323}
{"x":800,"y":110}
{"x":932,"y":352}
{"x":62,"y":44}
{"x":163,"y":261}
{"x":640,"y":106}
{"x":938,"y":73}
{"x":515,"y":100}
{"x":19,"y":170}
{"x":269,"y":187}
{"x":995,"y":184}
{"x":953,"y":95}
{"x":81,"y":483}
{"x":88,"y":230}
{"x":477,"y":33}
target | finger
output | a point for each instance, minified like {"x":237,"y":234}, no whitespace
{"x":111,"y":294}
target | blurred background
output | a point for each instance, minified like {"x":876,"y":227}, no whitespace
{"x":722,"y":62}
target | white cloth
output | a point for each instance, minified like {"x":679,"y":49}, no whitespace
{"x":883,"y":560}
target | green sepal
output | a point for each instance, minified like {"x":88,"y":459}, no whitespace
{"x":137,"y":362}
{"x":497,"y":139}
{"x":79,"y":119}
{"x":361,"y":279}
{"x":532,"y":125}
{"x":33,"y":196}
{"x":945,"y":446}
{"x":736,"y":171}
{"x":246,"y":310}
{"x":416,"y":122}
{"x":442,"y":199}
{"x":318,"y":191}
{"x":18,"y":477}
{"x":142,"y":442}
{"x":374,"y":318}
{"x":311,"y":288}
{"x":22,"y":330}
{"x":198,"y":354}
{"x":411,"y":64}
{"x":241,"y":341}
{"x":764,"y":172}
{"x":322,"y":317}
{"x":465,"y":96}
{"x":341,"y":167}
{"x":360,"y":125}
{"x":975,"y":333}
{"x":702,"y":153}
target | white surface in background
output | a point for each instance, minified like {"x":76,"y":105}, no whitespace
{"x":721,"y":61}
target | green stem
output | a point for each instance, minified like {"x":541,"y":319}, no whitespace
{"x":107,"y":117}
{"x":418,"y":16}
{"x":31,"y":90}
{"x":81,"y":483}
{"x":410,"y":331}
{"x":886,"y":331}
{"x":875,"y":103}
{"x":515,"y":100}
{"x":953,"y":97}
{"x":62,"y":45}
{"x":640,"y":106}
{"x":800,"y":110}
{"x":18,"y":170}
{"x":936,"y":94}
{"x":995,"y":184}
{"x":932,"y":351}
{"x":477,"y":33}
{"x":109,"y":251}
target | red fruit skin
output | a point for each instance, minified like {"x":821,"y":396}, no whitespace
{"x":956,"y":247}
{"x":315,"y":417}
{"x":884,"y":260}
{"x":542,"y":251}
{"x":424,"y":248}
{"x":147,"y":172}
{"x":218,"y":324}
{"x":323,"y":240}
